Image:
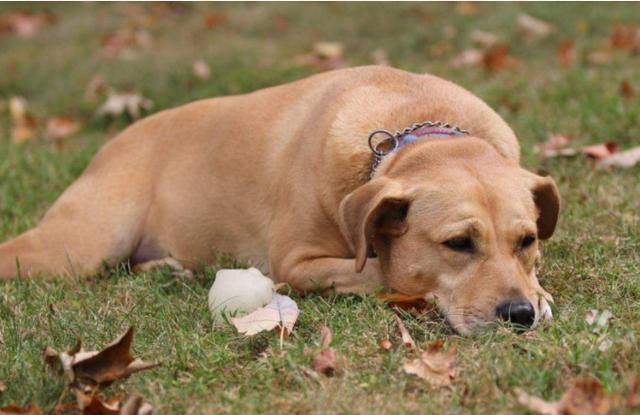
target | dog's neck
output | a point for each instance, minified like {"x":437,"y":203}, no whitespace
{"x":383,"y":143}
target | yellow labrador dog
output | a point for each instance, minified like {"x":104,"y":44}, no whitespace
{"x":343,"y":180}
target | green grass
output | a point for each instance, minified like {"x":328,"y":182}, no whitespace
{"x":591,"y":262}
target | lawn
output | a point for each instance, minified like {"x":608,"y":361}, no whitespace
{"x":592,"y":262}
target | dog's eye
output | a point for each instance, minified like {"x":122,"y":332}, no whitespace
{"x":460,"y":244}
{"x":527,"y":241}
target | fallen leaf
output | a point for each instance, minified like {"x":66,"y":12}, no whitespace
{"x":434,"y":365}
{"x":324,"y":361}
{"x":407,"y":340}
{"x":121,"y":103}
{"x":213,"y":19}
{"x":386,"y":344}
{"x":625,"y":37}
{"x":532,"y":27}
{"x":599,"y":151}
{"x":417,"y":304}
{"x":3,"y":387}
{"x":469,"y":57}
{"x":628,"y":158}
{"x":201,"y":69}
{"x":279,"y":21}
{"x":467,"y":7}
{"x":598,"y":320}
{"x":329,"y":50}
{"x":483,"y":39}
{"x":585,"y":397}
{"x":604,"y":345}
{"x":25,"y":24}
{"x":99,"y":368}
{"x":281,"y":312}
{"x":627,"y":90}
{"x":566,"y":52}
{"x":497,"y":58}
{"x":61,"y":127}
{"x":600,"y":57}
{"x":124,"y":43}
{"x":13,"y":409}
{"x":23,"y":126}
{"x":553,"y":145}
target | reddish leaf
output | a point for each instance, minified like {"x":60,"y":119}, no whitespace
{"x":627,"y":90}
{"x":497,"y":58}
{"x":324,"y":361}
{"x":13,"y":409}
{"x":625,"y":37}
{"x":61,"y":127}
{"x":214,"y":19}
{"x":566,"y":52}
{"x":600,"y":151}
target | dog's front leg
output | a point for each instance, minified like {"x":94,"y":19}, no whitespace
{"x":327,"y":273}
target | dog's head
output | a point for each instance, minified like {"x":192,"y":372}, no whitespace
{"x":456,"y":220}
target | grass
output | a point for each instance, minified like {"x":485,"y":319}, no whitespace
{"x":591,"y":262}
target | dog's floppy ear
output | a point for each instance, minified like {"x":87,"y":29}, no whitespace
{"x":547,"y":200}
{"x":377,"y":208}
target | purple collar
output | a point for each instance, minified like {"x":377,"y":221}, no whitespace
{"x":394,"y":142}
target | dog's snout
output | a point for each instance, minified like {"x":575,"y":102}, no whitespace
{"x":519,"y":312}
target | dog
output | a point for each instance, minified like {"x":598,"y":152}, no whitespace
{"x":342,"y":181}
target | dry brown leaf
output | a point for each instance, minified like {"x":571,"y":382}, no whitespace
{"x":554,"y":144}
{"x":625,"y":37}
{"x":214,"y":19}
{"x":123,"y":43}
{"x":25,"y":24}
{"x":467,"y":7}
{"x":469,"y":57}
{"x":99,"y":368}
{"x":566,"y":52}
{"x":201,"y":69}
{"x":13,"y":409}
{"x":386,"y":344}
{"x":61,"y":127}
{"x":600,"y":57}
{"x":409,"y":303}
{"x":497,"y":58}
{"x":585,"y":397}
{"x":324,"y":361}
{"x":407,"y":340}
{"x":627,"y":90}
{"x":329,"y":50}
{"x":599,"y":151}
{"x":3,"y":387}
{"x":483,"y":39}
{"x":23,"y":126}
{"x":532,"y":27}
{"x":121,"y":103}
{"x":281,"y":312}
{"x":434,"y":365}
{"x":625,"y":159}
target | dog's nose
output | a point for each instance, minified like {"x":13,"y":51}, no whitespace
{"x":519,"y":312}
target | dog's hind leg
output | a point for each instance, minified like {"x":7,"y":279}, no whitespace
{"x":97,"y":221}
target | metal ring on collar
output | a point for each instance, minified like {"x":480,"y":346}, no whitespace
{"x":375,"y":148}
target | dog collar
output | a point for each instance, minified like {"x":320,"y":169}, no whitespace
{"x":390,"y":143}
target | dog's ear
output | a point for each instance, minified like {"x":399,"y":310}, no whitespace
{"x":547,"y":200}
{"x":374,"y":209}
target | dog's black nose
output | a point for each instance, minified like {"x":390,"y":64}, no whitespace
{"x":519,"y":312}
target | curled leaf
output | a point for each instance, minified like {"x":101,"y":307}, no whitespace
{"x":407,"y":340}
{"x":586,"y":396}
{"x":281,"y":312}
{"x":434,"y":365}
